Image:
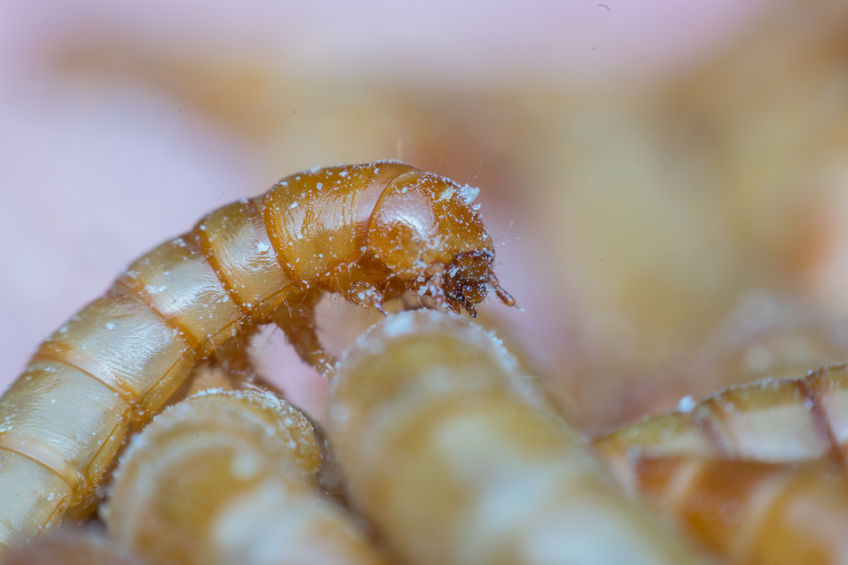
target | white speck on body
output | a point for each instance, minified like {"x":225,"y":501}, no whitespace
{"x":468,"y":193}
{"x":686,"y":404}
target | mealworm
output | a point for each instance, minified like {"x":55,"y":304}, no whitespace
{"x":456,"y":458}
{"x":769,"y":420}
{"x":228,"y":477}
{"x":71,"y":547}
{"x":749,"y":512}
{"x":371,"y":233}
{"x":721,"y":466}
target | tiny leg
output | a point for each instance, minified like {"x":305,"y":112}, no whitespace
{"x":297,"y":319}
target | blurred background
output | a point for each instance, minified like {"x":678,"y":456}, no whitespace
{"x":666,"y":182}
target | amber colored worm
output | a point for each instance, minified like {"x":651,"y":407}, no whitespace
{"x":229,"y":477}
{"x":749,"y":512}
{"x":457,"y":459}
{"x":371,"y":233}
{"x":724,"y":467}
{"x":771,"y":420}
{"x":777,"y":421}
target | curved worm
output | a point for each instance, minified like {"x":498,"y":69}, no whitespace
{"x":457,"y":459}
{"x":229,"y":477}
{"x":371,"y":233}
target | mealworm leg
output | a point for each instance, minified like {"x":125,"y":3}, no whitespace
{"x":369,"y":232}
{"x":298,"y":323}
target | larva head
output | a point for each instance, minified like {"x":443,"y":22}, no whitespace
{"x":425,"y":230}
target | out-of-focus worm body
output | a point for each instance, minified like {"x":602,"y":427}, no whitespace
{"x":71,"y":547}
{"x":226,"y":478}
{"x":371,"y":233}
{"x":457,"y":459}
{"x":752,"y":513}
{"x":770,"y":421}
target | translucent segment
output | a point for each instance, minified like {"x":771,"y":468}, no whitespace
{"x":830,"y":386}
{"x":287,"y":427}
{"x":455,"y":457}
{"x":71,"y":415}
{"x":235,"y":237}
{"x":177,"y":280}
{"x":229,"y":477}
{"x":673,"y":433}
{"x":769,"y":421}
{"x":120,"y":338}
{"x":317,"y":218}
{"x":751,"y":512}
{"x":31,"y":497}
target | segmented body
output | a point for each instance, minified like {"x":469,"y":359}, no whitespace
{"x":457,"y":459}
{"x":754,"y":471}
{"x":777,"y":421}
{"x":370,"y":233}
{"x":750,"y":512}
{"x":227,"y":477}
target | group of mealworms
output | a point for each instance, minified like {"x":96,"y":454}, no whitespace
{"x":447,"y":452}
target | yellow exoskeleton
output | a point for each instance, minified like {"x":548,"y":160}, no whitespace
{"x":229,"y":477}
{"x":457,"y":459}
{"x":756,"y":471}
{"x":371,"y":233}
{"x":777,"y":421}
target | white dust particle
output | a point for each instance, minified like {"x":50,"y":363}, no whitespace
{"x":262,"y":247}
{"x":468,"y":193}
{"x":686,"y":404}
{"x":293,"y":205}
{"x":110,"y":325}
